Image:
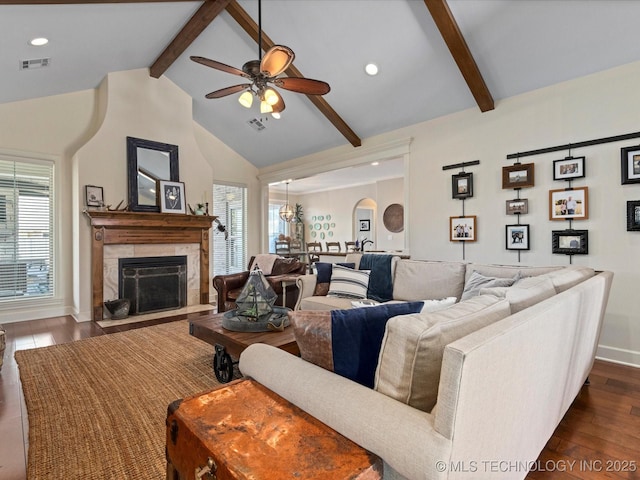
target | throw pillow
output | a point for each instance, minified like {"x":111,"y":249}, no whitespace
{"x":478,"y":281}
{"x":348,"y":283}
{"x":323,"y":276}
{"x":413,"y":347}
{"x":435,"y":305}
{"x":346,"y":342}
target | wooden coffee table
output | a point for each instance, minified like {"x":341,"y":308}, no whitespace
{"x":227,"y":342}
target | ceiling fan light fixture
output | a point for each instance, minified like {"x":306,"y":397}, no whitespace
{"x":270,"y":96}
{"x":276,"y":60}
{"x":265,"y":107}
{"x":246,"y":99}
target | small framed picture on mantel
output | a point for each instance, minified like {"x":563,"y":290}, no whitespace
{"x":93,"y":196}
{"x":171,"y":197}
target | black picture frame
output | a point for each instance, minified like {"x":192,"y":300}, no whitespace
{"x":93,"y":196}
{"x":519,"y":175}
{"x":171,"y":197}
{"x":517,"y":206}
{"x":570,"y":242}
{"x":462,"y":185}
{"x":147,"y":162}
{"x":569,"y":168}
{"x":365,"y":225}
{"x":630,"y":164}
{"x":517,"y":237}
{"x":633,"y":216}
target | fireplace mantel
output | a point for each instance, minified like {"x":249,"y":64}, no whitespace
{"x":125,"y":228}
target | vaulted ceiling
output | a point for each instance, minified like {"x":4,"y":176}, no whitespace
{"x":435,"y":57}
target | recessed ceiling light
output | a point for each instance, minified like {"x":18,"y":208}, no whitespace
{"x":371,"y":69}
{"x":39,"y":42}
{"x":375,"y":164}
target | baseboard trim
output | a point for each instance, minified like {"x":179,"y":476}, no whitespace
{"x":26,"y":313}
{"x":622,"y":356}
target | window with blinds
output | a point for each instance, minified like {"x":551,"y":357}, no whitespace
{"x":230,"y":206}
{"x":26,"y":229}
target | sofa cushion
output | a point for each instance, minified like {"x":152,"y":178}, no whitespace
{"x":348,"y":283}
{"x":525,"y":292}
{"x":508,"y":271}
{"x":478,"y":281}
{"x":427,"y":280}
{"x":346,"y":342}
{"x":413,"y":345}
{"x":325,"y":302}
{"x":565,"y":278}
{"x":323,"y":276}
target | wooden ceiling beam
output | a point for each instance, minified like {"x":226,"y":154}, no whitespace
{"x":459,"y":49}
{"x":251,"y":27}
{"x":185,"y":37}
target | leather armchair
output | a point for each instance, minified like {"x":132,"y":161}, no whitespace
{"x":229,"y":286}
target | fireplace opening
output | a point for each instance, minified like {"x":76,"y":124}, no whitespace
{"x":153,"y":284}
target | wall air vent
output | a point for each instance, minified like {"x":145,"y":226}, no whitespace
{"x":256,"y":124}
{"x":34,"y":63}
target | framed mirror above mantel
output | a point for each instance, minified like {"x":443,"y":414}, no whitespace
{"x":147,"y":163}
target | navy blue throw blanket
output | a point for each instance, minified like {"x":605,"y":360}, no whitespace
{"x":356,"y":338}
{"x":380,"y":280}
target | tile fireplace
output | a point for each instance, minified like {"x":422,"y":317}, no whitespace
{"x":116,"y":235}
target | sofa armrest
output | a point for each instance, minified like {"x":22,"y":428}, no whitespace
{"x":306,"y":286}
{"x":402,"y":436}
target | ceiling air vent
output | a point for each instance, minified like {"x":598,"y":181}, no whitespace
{"x":256,"y":124}
{"x":35,"y":63}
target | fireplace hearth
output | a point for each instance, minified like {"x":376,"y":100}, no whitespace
{"x":153,"y":284}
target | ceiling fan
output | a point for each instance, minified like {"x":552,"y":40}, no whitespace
{"x":262,"y":74}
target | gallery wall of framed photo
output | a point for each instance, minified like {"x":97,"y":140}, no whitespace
{"x":566,"y":203}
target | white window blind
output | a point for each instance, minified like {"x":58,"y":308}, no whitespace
{"x":26,"y":229}
{"x":230,"y":206}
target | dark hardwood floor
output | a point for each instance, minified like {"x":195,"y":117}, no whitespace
{"x":599,"y":436}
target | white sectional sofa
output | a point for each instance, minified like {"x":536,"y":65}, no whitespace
{"x":502,"y":369}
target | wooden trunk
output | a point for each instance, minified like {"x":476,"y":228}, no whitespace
{"x":245,"y":431}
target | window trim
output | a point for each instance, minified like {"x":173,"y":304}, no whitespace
{"x":54,"y":300}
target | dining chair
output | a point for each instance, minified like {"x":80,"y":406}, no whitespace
{"x":331,"y":246}
{"x":350,"y":246}
{"x":311,"y":248}
{"x":283,"y":247}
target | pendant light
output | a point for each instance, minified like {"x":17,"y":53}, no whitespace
{"x":286,"y":211}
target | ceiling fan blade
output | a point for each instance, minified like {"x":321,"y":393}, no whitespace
{"x":223,"y":92}
{"x":219,"y":66}
{"x":276,"y":60}
{"x":307,"y":86}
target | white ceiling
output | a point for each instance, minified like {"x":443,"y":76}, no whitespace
{"x":345,"y":177}
{"x":518,"y":46}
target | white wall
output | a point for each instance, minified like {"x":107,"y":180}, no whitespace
{"x":341,"y":203}
{"x":51,"y":127}
{"x":600,"y":105}
{"x":87,"y":132}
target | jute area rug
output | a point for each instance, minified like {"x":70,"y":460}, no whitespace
{"x":97,"y":407}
